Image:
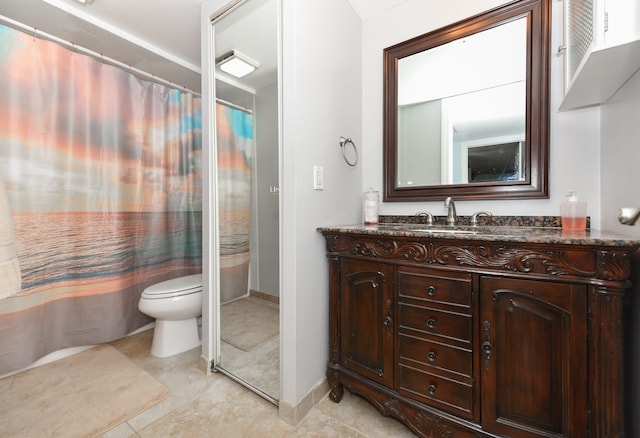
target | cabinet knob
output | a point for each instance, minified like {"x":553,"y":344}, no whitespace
{"x":432,"y":390}
{"x":431,"y":356}
{"x":431,"y":323}
{"x":387,"y":321}
{"x":431,"y":290}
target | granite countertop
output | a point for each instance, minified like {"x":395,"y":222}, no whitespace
{"x":522,"y":234}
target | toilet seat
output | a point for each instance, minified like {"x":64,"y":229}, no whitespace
{"x":176,"y":287}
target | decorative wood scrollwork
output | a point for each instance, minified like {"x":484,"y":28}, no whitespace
{"x":391,"y":406}
{"x":613,"y":265}
{"x":332,"y":242}
{"x":606,"y":265}
{"x":483,"y":257}
{"x":431,"y":426}
{"x":411,"y":251}
{"x":511,"y":259}
{"x":375,"y":248}
{"x":422,"y":423}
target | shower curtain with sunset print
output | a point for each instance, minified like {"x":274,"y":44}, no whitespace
{"x":235,"y":150}
{"x":100,"y":196}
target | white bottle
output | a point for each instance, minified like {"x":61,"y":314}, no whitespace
{"x":370,"y":204}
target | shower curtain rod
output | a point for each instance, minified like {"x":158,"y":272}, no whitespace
{"x":233,"y":105}
{"x":99,"y":56}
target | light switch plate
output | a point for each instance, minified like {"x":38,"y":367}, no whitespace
{"x":318,"y":178}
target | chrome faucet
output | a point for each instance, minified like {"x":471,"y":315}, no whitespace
{"x":429,"y":216}
{"x":475,"y":216}
{"x":451,"y":212}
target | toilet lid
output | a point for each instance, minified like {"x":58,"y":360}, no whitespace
{"x":175,"y":287}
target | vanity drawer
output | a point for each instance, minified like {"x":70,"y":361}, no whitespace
{"x":445,"y":394}
{"x":454,"y":289}
{"x":450,"y":325}
{"x":436,"y":355}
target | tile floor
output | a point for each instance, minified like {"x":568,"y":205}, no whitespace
{"x":259,"y":367}
{"x":216,"y":406}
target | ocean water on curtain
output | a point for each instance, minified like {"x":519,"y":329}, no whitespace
{"x":235,"y":150}
{"x":83,"y":245}
{"x":234,"y":242}
{"x":103,"y":176}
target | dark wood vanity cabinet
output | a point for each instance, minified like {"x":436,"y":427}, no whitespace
{"x":533,"y":357}
{"x":435,"y":338}
{"x":466,"y":338}
{"x":367,"y":344}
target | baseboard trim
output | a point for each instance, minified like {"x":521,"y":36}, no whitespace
{"x":265,"y":296}
{"x":204,"y":365}
{"x":293,"y":414}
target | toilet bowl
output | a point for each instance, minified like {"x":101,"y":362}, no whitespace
{"x":176,"y":305}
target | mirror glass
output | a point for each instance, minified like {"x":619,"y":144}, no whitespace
{"x":247,"y":192}
{"x":474,"y":103}
{"x":466,"y":108}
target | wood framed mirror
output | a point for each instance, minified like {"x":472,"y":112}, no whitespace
{"x":466,"y":108}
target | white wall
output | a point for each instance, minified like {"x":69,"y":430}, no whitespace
{"x":620,"y":156}
{"x":574,"y":139}
{"x":265,"y":237}
{"x":322,"y":100}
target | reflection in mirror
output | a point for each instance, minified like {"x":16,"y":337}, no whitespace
{"x":471,"y":104}
{"x":466,"y":108}
{"x":247,"y":175}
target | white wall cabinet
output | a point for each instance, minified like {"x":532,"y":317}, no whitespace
{"x":602,"y":42}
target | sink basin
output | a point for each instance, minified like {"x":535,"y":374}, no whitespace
{"x":444,"y":231}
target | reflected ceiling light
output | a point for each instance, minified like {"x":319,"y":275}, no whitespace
{"x":85,"y":2}
{"x":236,"y":64}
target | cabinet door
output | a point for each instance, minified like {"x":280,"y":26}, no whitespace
{"x":533,"y":356}
{"x":366,"y":321}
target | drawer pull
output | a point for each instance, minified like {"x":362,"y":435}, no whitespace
{"x":432,"y":389}
{"x":431,"y":356}
{"x":431,"y":291}
{"x":431,"y":323}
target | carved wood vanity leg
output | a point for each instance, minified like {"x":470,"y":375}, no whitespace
{"x":607,"y":375}
{"x":337,"y":389}
{"x":334,"y":309}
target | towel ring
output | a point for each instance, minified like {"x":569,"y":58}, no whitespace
{"x":343,"y":143}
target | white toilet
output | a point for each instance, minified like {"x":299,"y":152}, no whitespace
{"x":176,"y":305}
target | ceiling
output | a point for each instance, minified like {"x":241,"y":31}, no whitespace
{"x":161,"y":37}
